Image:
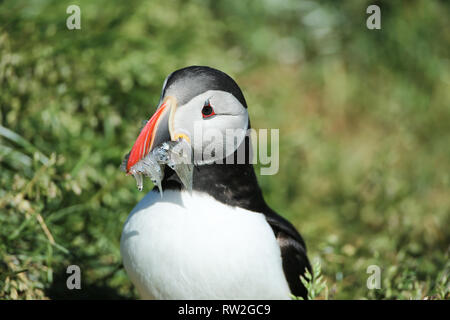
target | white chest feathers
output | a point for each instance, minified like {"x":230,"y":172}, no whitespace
{"x":190,"y":246}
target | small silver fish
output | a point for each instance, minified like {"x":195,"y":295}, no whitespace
{"x":180,"y":161}
{"x":175,"y":154}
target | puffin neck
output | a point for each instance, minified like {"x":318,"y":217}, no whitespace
{"x":232,"y":184}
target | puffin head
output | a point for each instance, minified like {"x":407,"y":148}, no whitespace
{"x":201,"y":105}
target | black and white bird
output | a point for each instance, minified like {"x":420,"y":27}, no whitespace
{"x":219,"y":240}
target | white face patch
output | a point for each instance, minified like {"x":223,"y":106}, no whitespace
{"x":214,"y":137}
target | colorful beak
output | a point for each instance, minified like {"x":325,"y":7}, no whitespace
{"x":154,"y":132}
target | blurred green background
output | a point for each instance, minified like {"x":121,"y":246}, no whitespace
{"x":364,"y":119}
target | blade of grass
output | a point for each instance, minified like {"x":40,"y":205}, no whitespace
{"x":16,"y":138}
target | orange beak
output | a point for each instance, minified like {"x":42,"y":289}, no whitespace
{"x":154,"y":133}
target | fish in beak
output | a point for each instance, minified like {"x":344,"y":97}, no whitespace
{"x":156,"y":146}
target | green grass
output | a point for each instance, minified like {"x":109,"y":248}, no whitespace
{"x":364,"y":133}
{"x":314,"y":283}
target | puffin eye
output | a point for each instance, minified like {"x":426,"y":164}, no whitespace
{"x":207,"y":110}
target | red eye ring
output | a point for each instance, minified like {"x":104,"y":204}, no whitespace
{"x":207,"y":110}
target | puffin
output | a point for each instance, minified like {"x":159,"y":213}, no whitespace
{"x":216,"y":239}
